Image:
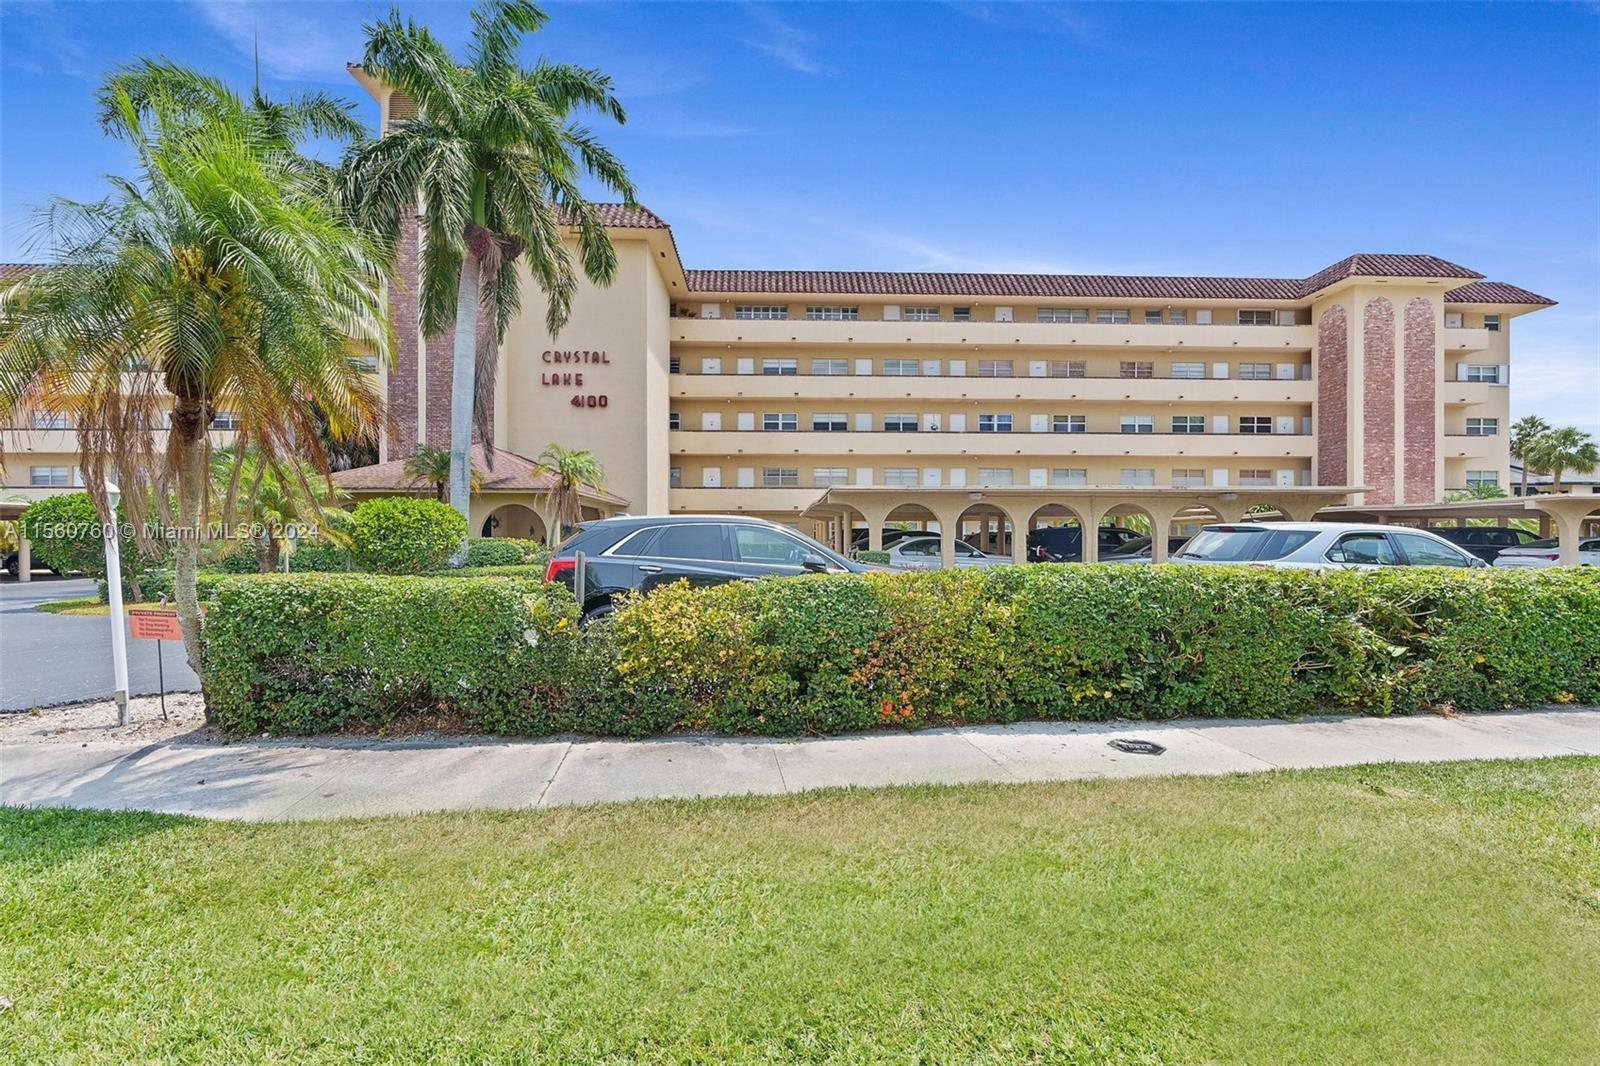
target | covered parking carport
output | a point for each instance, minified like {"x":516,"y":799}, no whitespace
{"x":1022,"y":508}
{"x":1566,"y":516}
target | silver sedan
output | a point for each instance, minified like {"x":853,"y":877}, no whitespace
{"x":922,"y":553}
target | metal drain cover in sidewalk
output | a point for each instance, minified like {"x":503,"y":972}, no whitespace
{"x":1137,"y":747}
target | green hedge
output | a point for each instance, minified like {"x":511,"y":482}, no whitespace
{"x":866,"y":555}
{"x":846,"y":652}
{"x":506,"y":551}
{"x":406,"y":535}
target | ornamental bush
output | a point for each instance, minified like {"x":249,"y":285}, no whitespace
{"x":831,"y":653}
{"x":506,"y":551}
{"x":406,"y":535}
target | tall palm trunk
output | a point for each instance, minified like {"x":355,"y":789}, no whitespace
{"x":1555,"y":479}
{"x":463,"y":378}
{"x":1524,"y":491}
{"x":188,"y":437}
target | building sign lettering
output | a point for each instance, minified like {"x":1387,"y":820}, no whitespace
{"x":573,"y":379}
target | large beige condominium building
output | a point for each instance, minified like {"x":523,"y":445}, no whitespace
{"x":753,"y":391}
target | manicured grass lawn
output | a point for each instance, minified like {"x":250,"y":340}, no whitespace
{"x":1422,"y":914}
{"x":80,"y":605}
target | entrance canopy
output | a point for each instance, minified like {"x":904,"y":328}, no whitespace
{"x":1027,"y":506}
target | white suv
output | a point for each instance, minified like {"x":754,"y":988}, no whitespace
{"x":1321,"y":546}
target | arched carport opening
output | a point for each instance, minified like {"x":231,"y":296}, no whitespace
{"x":514,"y":520}
{"x":986,"y":527}
{"x":1187,"y":522}
{"x":907,"y":517}
{"x":1044,"y":544}
{"x":1123,"y":524}
{"x":846,"y":530}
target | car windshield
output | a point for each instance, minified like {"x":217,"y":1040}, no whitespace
{"x":1244,"y":544}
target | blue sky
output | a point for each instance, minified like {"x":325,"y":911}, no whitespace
{"x":1127,"y":138}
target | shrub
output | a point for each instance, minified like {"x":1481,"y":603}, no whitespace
{"x":506,"y":551}
{"x":320,"y":556}
{"x":406,"y":535}
{"x":67,"y":535}
{"x":534,"y":570}
{"x":865,"y":555}
{"x":306,"y":653}
{"x":291,"y":653}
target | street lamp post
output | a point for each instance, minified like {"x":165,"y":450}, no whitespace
{"x":119,"y":637}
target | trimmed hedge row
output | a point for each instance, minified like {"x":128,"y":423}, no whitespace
{"x":835,"y":653}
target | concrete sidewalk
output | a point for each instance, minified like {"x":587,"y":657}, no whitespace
{"x":335,"y":778}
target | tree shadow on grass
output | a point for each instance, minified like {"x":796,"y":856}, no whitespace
{"x":39,"y":838}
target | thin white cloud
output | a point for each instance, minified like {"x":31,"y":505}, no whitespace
{"x":295,"y":43}
{"x":787,"y":44}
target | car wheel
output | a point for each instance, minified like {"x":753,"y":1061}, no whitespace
{"x":597,"y":612}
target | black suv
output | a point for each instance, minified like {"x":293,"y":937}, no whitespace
{"x":1486,"y":542}
{"x":628,"y":554}
{"x":1064,"y":544}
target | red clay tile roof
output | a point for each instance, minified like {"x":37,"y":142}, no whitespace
{"x":511,"y":473}
{"x":621,"y":216}
{"x":1495,"y":292}
{"x":1086,"y":286}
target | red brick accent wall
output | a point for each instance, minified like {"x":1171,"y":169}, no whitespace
{"x":403,"y":311}
{"x":1378,"y":399}
{"x":403,"y":371}
{"x":1333,"y":389}
{"x":1421,"y":432}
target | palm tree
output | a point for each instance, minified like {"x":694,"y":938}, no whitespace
{"x":1525,"y":431}
{"x":221,"y":278}
{"x":495,"y":158}
{"x":573,"y":468}
{"x":432,"y":465}
{"x":1567,"y":448}
{"x":271,"y":501}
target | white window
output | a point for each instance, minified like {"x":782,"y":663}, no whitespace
{"x":1135,"y":476}
{"x":1189,"y":479}
{"x":1202,"y":316}
{"x":711,"y":365}
{"x":1452,"y":320}
{"x":50,"y":475}
{"x":711,"y":421}
{"x":1068,"y":368}
{"x":1188,"y":423}
{"x":745,"y":420}
{"x":1255,"y":477}
{"x":961,"y":314}
{"x":827,"y":313}
{"x":1063,"y":314}
{"x":1483,"y":479}
{"x":930,"y":368}
{"x":1138,"y":424}
{"x":1114,"y":316}
{"x":1188,"y":370}
{"x":1069,"y":423}
{"x":994,"y":368}
{"x":674,"y":420}
{"x":1255,"y":318}
{"x":780,"y":421}
{"x":780,"y":477}
{"x":760,"y":311}
{"x":744,"y":477}
{"x":994,"y":423}
{"x":904,"y":477}
{"x":902,"y":368}
{"x":1255,"y":424}
{"x":997,"y":477}
{"x":49,"y":420}
{"x":1178,"y":317}
{"x":1255,"y":371}
{"x":922,"y":314}
{"x":824,"y":476}
{"x":830,"y":367}
{"x":900,"y":423}
{"x":744,"y":366}
{"x":225,"y":420}
{"x":829,"y":423}
{"x":1483,"y":427}
{"x":1152,"y":317}
{"x":710,"y":310}
{"x":780,"y":367}
{"x":675,"y":477}
{"x":1062,"y":477}
{"x":1491,"y":323}
{"x":1490,"y":374}
{"x":1136,"y":369}
{"x":863,"y":421}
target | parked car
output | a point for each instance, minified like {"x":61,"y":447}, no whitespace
{"x":922,"y":553}
{"x":1487,"y":542}
{"x":12,"y":564}
{"x":1548,"y":553}
{"x":1064,"y":544}
{"x":641,"y":553}
{"x":1321,"y":545}
{"x":861,"y":537}
{"x":1138,"y":550}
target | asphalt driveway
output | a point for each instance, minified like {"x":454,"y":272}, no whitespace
{"x":47,"y":659}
